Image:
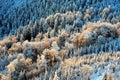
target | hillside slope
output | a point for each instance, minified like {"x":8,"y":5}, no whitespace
{"x":59,"y":40}
{"x":58,"y":47}
{"x":16,"y":13}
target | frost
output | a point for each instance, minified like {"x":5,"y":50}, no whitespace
{"x":59,"y":40}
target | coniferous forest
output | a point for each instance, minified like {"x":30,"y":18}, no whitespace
{"x":59,"y":39}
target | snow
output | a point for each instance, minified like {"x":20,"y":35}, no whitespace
{"x":97,"y":76}
{"x":4,"y":71}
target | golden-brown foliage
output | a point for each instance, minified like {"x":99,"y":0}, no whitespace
{"x":94,"y":32}
{"x":52,"y":52}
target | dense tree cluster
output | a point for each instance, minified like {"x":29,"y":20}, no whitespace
{"x":60,"y":40}
{"x":48,"y":46}
{"x":16,"y":13}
